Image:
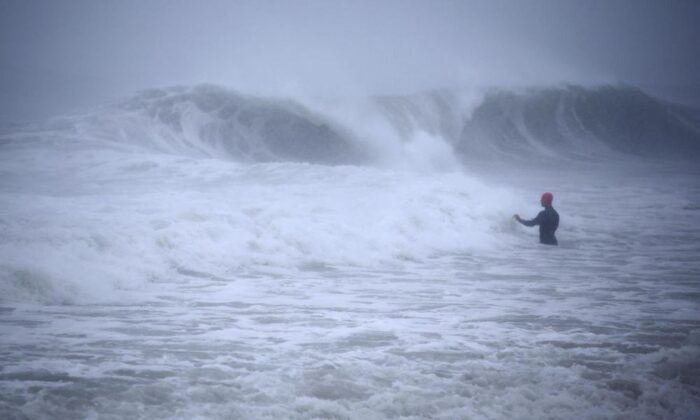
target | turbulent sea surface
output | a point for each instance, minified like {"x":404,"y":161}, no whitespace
{"x":198,"y":253}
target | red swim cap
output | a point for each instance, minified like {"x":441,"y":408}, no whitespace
{"x":547,"y":199}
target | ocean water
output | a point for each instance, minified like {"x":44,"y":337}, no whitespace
{"x":172,"y":260}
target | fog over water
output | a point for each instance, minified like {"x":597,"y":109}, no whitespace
{"x":304,"y":209}
{"x":81,"y":53}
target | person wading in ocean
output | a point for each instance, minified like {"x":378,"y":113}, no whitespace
{"x":547,"y":219}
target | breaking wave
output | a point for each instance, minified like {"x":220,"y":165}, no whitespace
{"x":439,"y":126}
{"x":208,"y":180}
{"x":580,"y":122}
{"x":208,"y":121}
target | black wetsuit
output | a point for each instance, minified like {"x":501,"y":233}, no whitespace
{"x":548,"y":220}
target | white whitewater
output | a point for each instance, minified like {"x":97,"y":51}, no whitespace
{"x":197,"y":253}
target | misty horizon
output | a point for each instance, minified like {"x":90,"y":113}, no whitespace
{"x":58,"y":56}
{"x":365,"y":210}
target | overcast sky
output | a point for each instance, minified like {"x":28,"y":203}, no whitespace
{"x":57,"y":55}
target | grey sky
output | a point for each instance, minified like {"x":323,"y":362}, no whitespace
{"x":56,"y":55}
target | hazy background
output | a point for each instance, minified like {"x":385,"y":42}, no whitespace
{"x":199,"y":253}
{"x":56,"y":56}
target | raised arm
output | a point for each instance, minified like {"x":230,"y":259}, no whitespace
{"x":534,"y":222}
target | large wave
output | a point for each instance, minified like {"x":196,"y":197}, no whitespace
{"x":209,"y":121}
{"x":438,"y":127}
{"x":145,"y":190}
{"x":576,"y":121}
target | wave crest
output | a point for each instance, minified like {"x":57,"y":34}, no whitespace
{"x":428,"y":130}
{"x":580,"y":122}
{"x":215,"y":122}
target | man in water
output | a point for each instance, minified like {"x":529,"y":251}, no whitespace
{"x":547,"y":219}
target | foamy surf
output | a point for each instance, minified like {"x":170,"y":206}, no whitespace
{"x":168,"y":257}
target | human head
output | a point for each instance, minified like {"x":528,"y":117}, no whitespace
{"x":547,"y":199}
